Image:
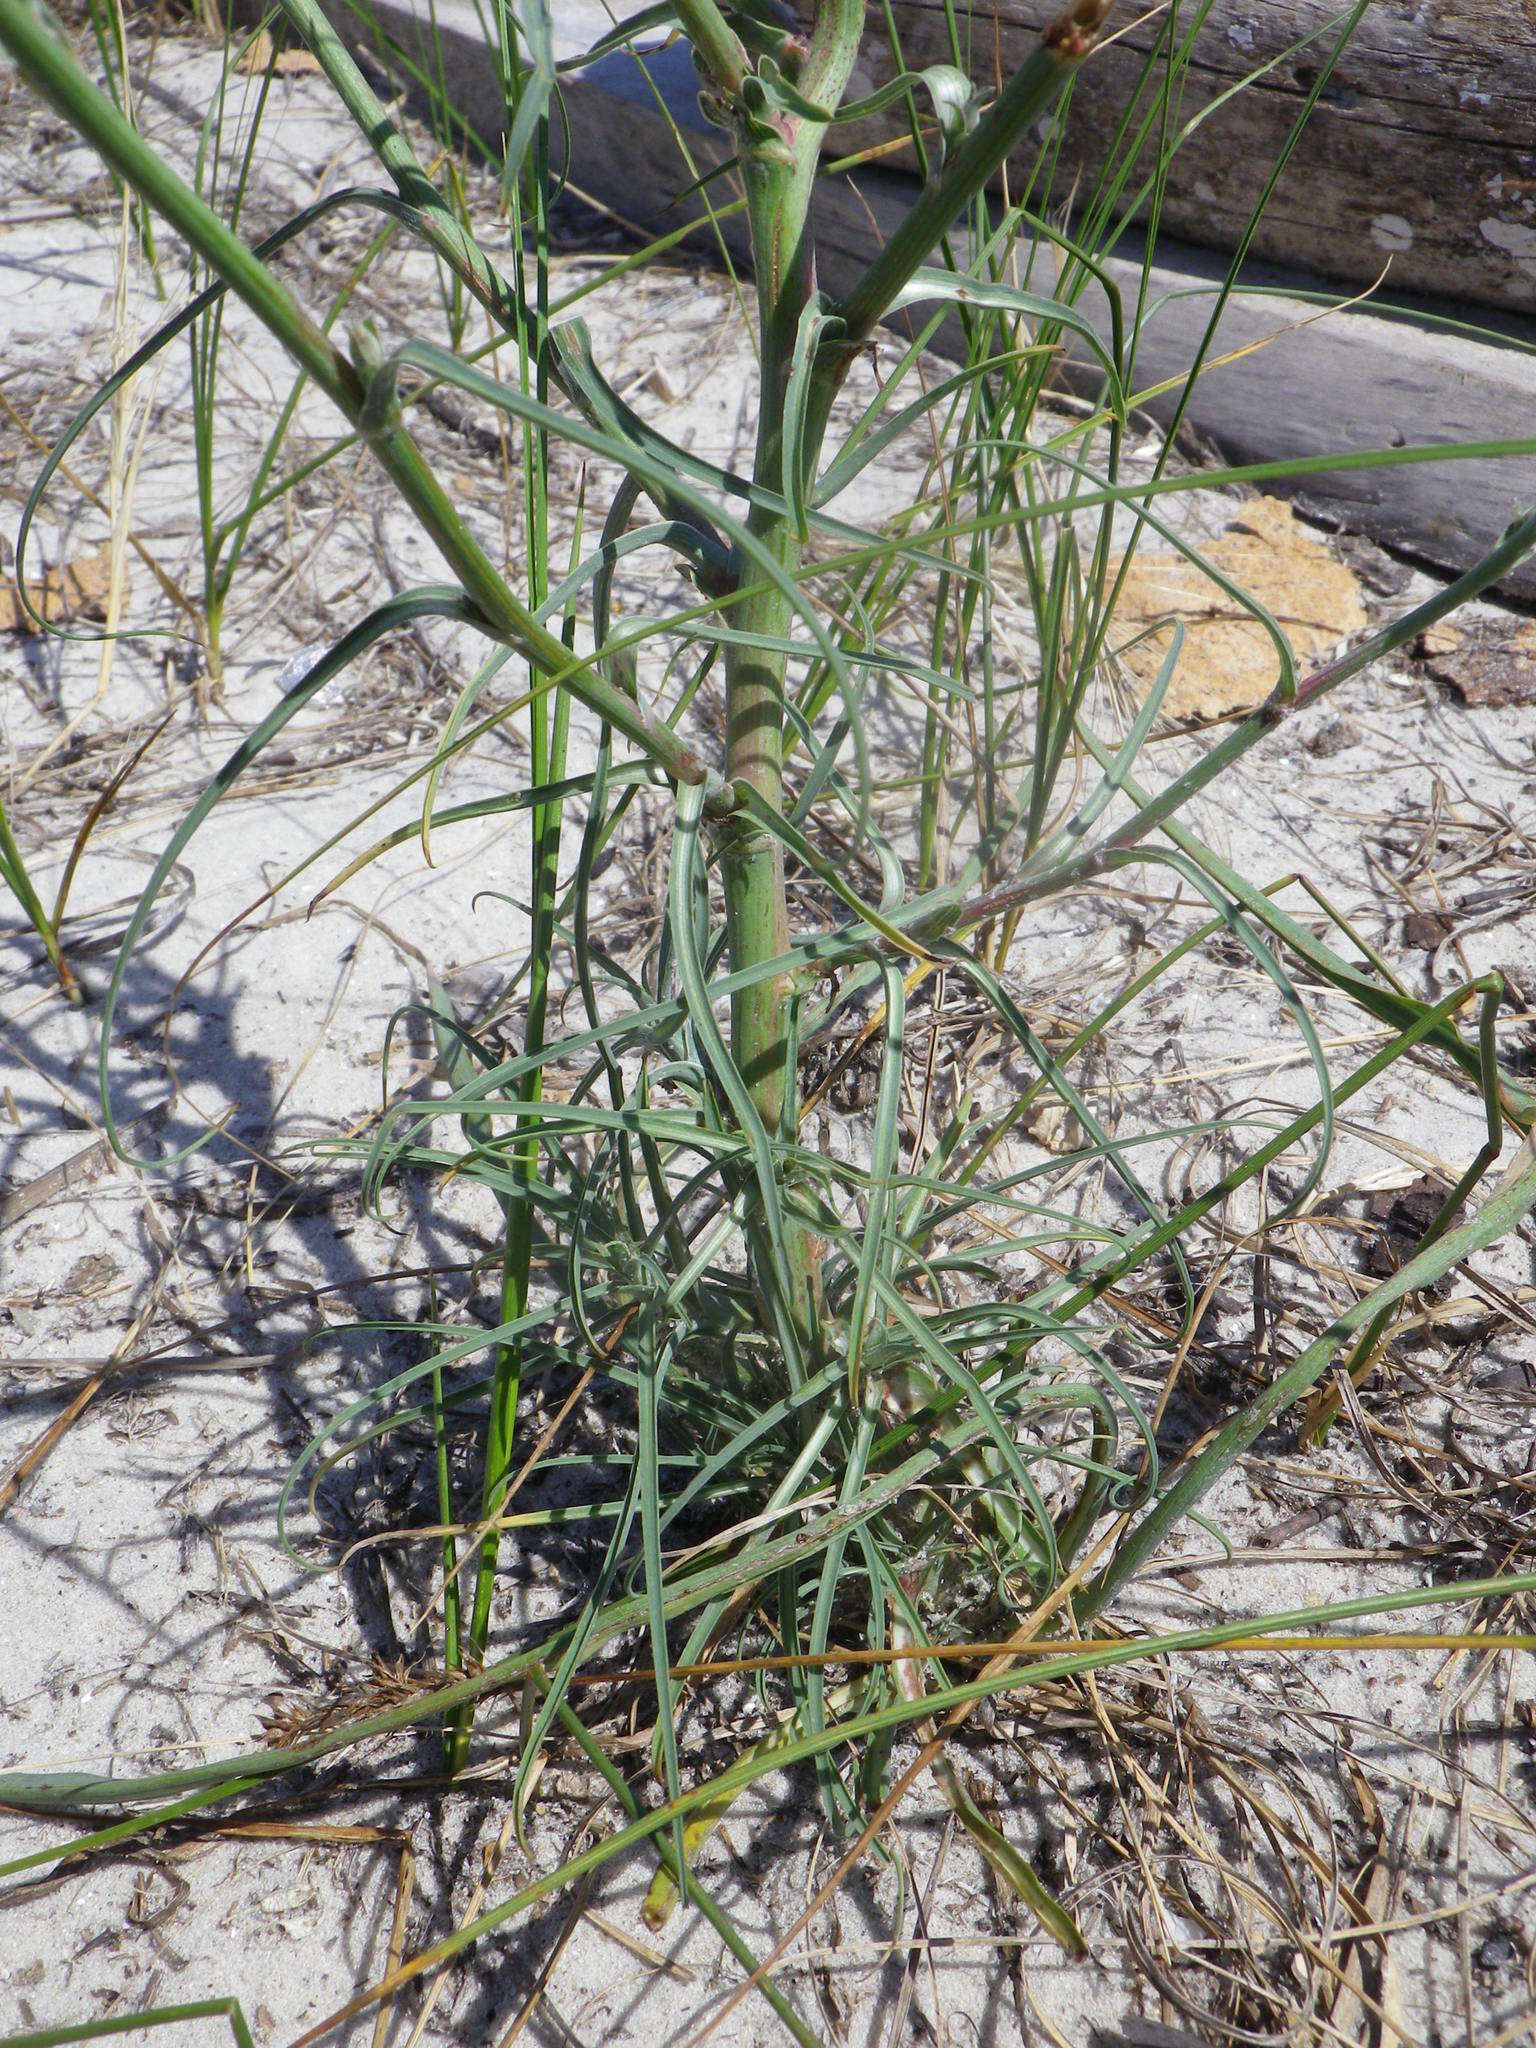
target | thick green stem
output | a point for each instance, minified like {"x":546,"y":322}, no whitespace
{"x":752,"y":859}
{"x":778,"y":163}
{"x":715,"y":41}
{"x":752,"y":863}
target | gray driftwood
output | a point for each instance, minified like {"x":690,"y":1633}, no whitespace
{"x":1421,"y":151}
{"x":1351,"y":381}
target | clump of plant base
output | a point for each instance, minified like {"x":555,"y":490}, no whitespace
{"x":884,"y":1397}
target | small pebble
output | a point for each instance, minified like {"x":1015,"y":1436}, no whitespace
{"x":1496,"y":1953}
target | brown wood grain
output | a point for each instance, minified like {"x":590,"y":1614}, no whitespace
{"x":1421,"y":150}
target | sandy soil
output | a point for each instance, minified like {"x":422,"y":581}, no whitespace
{"x":151,"y":1614}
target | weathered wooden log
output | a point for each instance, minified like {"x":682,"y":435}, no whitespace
{"x":1421,"y":150}
{"x":1288,"y":387}
{"x":1284,"y":391}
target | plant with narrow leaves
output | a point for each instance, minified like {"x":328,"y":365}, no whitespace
{"x":880,"y":1440}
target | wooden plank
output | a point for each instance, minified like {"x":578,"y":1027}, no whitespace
{"x":1420,"y":153}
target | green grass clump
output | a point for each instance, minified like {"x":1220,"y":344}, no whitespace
{"x":879,"y":1398}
